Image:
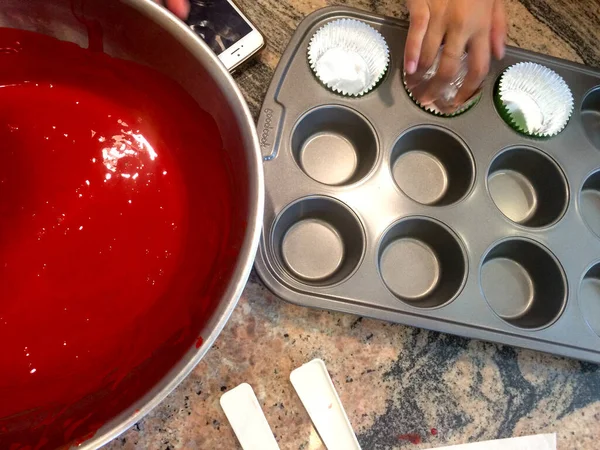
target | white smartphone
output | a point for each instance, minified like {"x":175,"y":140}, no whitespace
{"x":226,"y":30}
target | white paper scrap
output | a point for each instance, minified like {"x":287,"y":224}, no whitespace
{"x":247,"y":419}
{"x":537,"y":442}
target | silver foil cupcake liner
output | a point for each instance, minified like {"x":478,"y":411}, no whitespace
{"x":534,"y":99}
{"x":348,"y":56}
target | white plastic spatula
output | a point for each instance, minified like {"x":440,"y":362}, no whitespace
{"x":317,"y":393}
{"x":247,"y":419}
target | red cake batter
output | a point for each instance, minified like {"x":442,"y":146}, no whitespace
{"x":115,"y":211}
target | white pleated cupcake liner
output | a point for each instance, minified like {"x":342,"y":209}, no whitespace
{"x":348,"y":56}
{"x":535,"y":100}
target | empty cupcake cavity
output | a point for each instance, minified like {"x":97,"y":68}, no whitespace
{"x":528,"y":187}
{"x":589,"y":202}
{"x":523,"y":283}
{"x":432,"y":166}
{"x":318,"y":241}
{"x":589,"y":298}
{"x":590,"y":116}
{"x":334,"y":145}
{"x":422,"y":262}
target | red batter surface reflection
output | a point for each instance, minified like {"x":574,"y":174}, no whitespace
{"x":115,"y":214}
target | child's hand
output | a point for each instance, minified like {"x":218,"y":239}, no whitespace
{"x":476,"y":26}
{"x":181,"y":8}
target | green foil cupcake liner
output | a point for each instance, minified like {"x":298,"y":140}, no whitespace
{"x":432,"y":108}
{"x":534,"y":100}
{"x":448,"y":94}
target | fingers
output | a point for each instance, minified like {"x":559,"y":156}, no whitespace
{"x":450,"y":61}
{"x":419,"y":21}
{"x":181,"y":8}
{"x":480,"y":25}
{"x":479,"y":66}
{"x":432,"y":42}
{"x":498,"y":33}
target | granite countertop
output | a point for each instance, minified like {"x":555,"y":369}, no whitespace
{"x":398,"y":384}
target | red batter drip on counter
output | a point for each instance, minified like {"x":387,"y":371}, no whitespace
{"x":115,"y":210}
{"x":413,"y":438}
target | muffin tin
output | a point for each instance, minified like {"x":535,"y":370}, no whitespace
{"x":461,"y":225}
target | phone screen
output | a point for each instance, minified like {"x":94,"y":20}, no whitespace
{"x":218,"y":23}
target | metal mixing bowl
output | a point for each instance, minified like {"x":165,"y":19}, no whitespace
{"x":144,"y":32}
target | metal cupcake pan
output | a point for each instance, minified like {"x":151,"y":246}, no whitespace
{"x":461,"y":225}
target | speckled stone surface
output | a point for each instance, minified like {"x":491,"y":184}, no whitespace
{"x":395,"y":382}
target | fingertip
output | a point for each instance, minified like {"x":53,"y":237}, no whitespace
{"x":500,"y":50}
{"x":186,"y":9}
{"x":419,"y":22}
{"x":499,"y":30}
{"x":458,"y":99}
{"x":181,"y":8}
{"x":461,"y":99}
{"x":183,"y":11}
{"x":498,"y":44}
